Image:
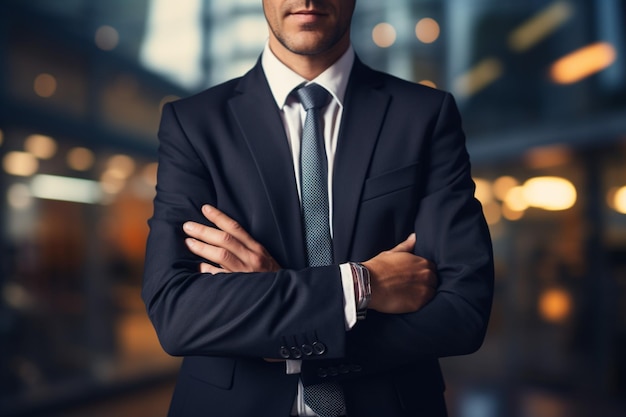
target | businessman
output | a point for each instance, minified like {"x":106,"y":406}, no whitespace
{"x":315,"y":245}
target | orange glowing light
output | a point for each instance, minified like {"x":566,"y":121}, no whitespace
{"x":428,"y":83}
{"x":583,"y":63}
{"x":555,"y":305}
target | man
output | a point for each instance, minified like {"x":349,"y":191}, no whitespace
{"x":258,"y":284}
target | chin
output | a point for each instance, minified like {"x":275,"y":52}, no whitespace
{"x":312,"y":46}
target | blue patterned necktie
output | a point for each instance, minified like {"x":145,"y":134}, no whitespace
{"x":325,"y":399}
{"x":314,"y":178}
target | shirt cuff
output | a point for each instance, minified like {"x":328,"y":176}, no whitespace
{"x":349,"y":302}
{"x":293,"y":366}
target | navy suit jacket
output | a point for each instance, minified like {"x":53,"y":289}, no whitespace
{"x":401,"y":166}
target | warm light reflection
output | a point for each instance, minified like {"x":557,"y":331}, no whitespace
{"x":555,"y":305}
{"x":479,"y":77}
{"x":149,"y":174}
{"x":540,"y":26}
{"x":80,"y":159}
{"x":428,"y":83}
{"x":111,"y":182}
{"x":384,"y":35}
{"x":619,"y":200}
{"x":121,"y":166}
{"x":492,"y":212}
{"x":502,"y":185}
{"x":483,"y":191}
{"x":19,"y":196}
{"x":45,"y":85}
{"x":515,"y":200}
{"x":548,"y":156}
{"x":41,"y":146}
{"x":583,"y":63}
{"x":107,"y":38}
{"x":427,"y":30}
{"x":549,"y":193}
{"x":77,"y":190}
{"x":510,"y":214}
{"x":20,"y":163}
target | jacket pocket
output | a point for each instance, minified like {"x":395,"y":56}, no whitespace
{"x":215,"y":371}
{"x":390,"y":182}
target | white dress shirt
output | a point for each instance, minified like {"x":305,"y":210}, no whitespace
{"x":282,"y":81}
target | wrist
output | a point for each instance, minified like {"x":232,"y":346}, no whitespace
{"x":362,"y":288}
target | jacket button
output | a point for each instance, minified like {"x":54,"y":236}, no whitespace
{"x":356,"y":368}
{"x":307,"y":349}
{"x":322,"y":372}
{"x":296,"y":353}
{"x":284,"y":352}
{"x":332,"y":371}
{"x":319,"y":348}
{"x":344,"y":369}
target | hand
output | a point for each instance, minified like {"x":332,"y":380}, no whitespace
{"x":401,"y":281}
{"x":227,"y":245}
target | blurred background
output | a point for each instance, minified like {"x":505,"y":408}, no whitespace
{"x":541,"y":85}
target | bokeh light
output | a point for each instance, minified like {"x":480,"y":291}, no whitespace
{"x":107,"y":38}
{"x":619,"y":200}
{"x":555,"y":305}
{"x":22,"y":164}
{"x":427,"y":30}
{"x":41,"y":146}
{"x":45,"y":85}
{"x":549,"y":193}
{"x":80,"y":159}
{"x":583,"y":63}
{"x":384,"y":35}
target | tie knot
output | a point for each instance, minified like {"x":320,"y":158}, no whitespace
{"x":313,"y":96}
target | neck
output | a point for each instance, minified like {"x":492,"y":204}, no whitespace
{"x":308,"y":66}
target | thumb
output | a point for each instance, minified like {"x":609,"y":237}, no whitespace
{"x":407,"y":245}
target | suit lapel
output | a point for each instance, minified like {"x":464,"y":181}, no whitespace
{"x":364,"y":112}
{"x":256,"y":113}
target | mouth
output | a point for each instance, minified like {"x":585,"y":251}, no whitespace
{"x":307,"y":15}
{"x":307,"y":11}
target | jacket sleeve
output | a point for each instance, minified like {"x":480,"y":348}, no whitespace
{"x":451,"y":232}
{"x":234,"y":314}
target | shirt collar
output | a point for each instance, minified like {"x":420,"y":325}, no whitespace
{"x":283,"y":80}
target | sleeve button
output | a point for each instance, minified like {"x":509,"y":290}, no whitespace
{"x":307,"y":349}
{"x":284,"y":352}
{"x":332,"y":371}
{"x":296,"y":353}
{"x":319,"y":348}
{"x":322,"y":372}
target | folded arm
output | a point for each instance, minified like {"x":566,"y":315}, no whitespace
{"x":401,"y":282}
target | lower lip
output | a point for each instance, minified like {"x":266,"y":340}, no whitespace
{"x":307,"y":18}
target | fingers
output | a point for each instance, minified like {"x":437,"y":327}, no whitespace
{"x":230,"y":226}
{"x":206,"y":268}
{"x":227,"y":245}
{"x":401,"y":282}
{"x":428,"y":273}
{"x":405,"y":246}
{"x":223,"y":244}
{"x":228,"y":261}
